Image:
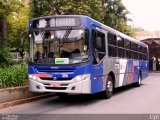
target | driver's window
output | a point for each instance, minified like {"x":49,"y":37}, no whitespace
{"x":98,"y":46}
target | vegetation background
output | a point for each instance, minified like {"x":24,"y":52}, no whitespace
{"x":15,"y":14}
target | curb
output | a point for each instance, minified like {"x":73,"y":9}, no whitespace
{"x":154,"y":71}
{"x":17,"y":93}
{"x":27,"y":100}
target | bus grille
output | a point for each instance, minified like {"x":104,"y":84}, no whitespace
{"x":56,"y":88}
{"x":54,"y":70}
{"x":57,"y":79}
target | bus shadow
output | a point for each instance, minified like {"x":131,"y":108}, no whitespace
{"x":89,"y":99}
{"x":123,"y":89}
{"x":77,"y":99}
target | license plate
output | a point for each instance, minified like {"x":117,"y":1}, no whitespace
{"x":55,"y":85}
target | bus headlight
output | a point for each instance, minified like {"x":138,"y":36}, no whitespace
{"x":82,"y":77}
{"x":33,"y":77}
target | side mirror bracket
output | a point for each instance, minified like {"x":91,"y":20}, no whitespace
{"x":22,"y":40}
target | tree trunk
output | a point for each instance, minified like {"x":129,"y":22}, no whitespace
{"x":4,"y":32}
{"x":0,"y":32}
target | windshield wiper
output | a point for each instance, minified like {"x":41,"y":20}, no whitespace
{"x":68,"y":31}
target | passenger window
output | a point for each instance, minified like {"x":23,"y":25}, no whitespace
{"x":144,"y":50}
{"x":140,"y":56}
{"x":112,"y":51}
{"x":134,"y":46}
{"x":112,"y":45}
{"x":134,"y":55}
{"x":112,"y":39}
{"x":143,"y":56}
{"x":127,"y":44}
{"x":121,"y":52}
{"x":120,"y":42}
{"x":128,"y":54}
{"x":98,"y":46}
{"x":139,"y":48}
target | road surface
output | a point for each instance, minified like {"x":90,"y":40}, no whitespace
{"x":127,"y":100}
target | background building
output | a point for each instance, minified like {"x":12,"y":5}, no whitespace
{"x":153,"y":41}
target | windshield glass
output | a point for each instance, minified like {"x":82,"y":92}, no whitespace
{"x":59,"y":46}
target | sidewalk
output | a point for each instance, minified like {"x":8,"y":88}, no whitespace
{"x":19,"y":95}
{"x":154,"y":71}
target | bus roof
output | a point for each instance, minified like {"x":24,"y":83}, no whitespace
{"x":100,"y":25}
{"x":116,"y":32}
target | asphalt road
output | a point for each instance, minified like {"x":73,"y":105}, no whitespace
{"x":127,"y":100}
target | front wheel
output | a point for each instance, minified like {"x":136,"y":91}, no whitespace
{"x":109,"y":89}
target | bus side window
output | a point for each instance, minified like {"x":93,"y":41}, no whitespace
{"x":98,"y":46}
{"x":112,"y":45}
{"x":120,"y":42}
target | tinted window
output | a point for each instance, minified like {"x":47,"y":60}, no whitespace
{"x":140,"y":56}
{"x":144,"y":50}
{"x":120,"y":42}
{"x":112,"y":51}
{"x":134,"y":55}
{"x":128,"y":54}
{"x":139,"y":48}
{"x":134,"y":46}
{"x":98,"y":46}
{"x":127,"y":44}
{"x":121,"y":52}
{"x":112,"y":39}
{"x":112,"y":45}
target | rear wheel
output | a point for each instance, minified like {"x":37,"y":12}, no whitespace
{"x":109,"y":89}
{"x":138,"y":84}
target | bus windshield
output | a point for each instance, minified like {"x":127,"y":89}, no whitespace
{"x":59,"y":46}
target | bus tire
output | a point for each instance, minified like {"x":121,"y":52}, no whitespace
{"x":109,"y":88}
{"x":62,"y":95}
{"x":138,"y":84}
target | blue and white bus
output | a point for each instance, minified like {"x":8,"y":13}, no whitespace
{"x":76,"y":54}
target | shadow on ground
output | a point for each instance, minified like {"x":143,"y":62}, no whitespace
{"x":87,"y":99}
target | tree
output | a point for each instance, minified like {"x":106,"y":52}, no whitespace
{"x":110,"y":12}
{"x":40,"y":8}
{"x":114,"y":11}
{"x":92,"y":8}
{"x":17,"y":24}
{"x":7,"y":7}
{"x":13,"y":21}
{"x":116,"y":16}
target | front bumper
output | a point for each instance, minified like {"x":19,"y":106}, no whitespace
{"x":69,"y":86}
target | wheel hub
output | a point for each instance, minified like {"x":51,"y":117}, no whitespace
{"x":110,"y":86}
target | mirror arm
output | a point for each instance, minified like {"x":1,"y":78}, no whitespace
{"x":22,"y":44}
{"x":22,"y":39}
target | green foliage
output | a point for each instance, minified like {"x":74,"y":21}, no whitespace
{"x":14,"y":16}
{"x":13,"y":76}
{"x":115,"y":12}
{"x":8,"y":7}
{"x":92,"y":8}
{"x":110,"y":12}
{"x":5,"y":57}
{"x":17,"y":24}
{"x":17,"y":13}
{"x":116,"y":16}
{"x":40,"y":8}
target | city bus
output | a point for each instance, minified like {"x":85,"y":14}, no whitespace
{"x":75,"y":54}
